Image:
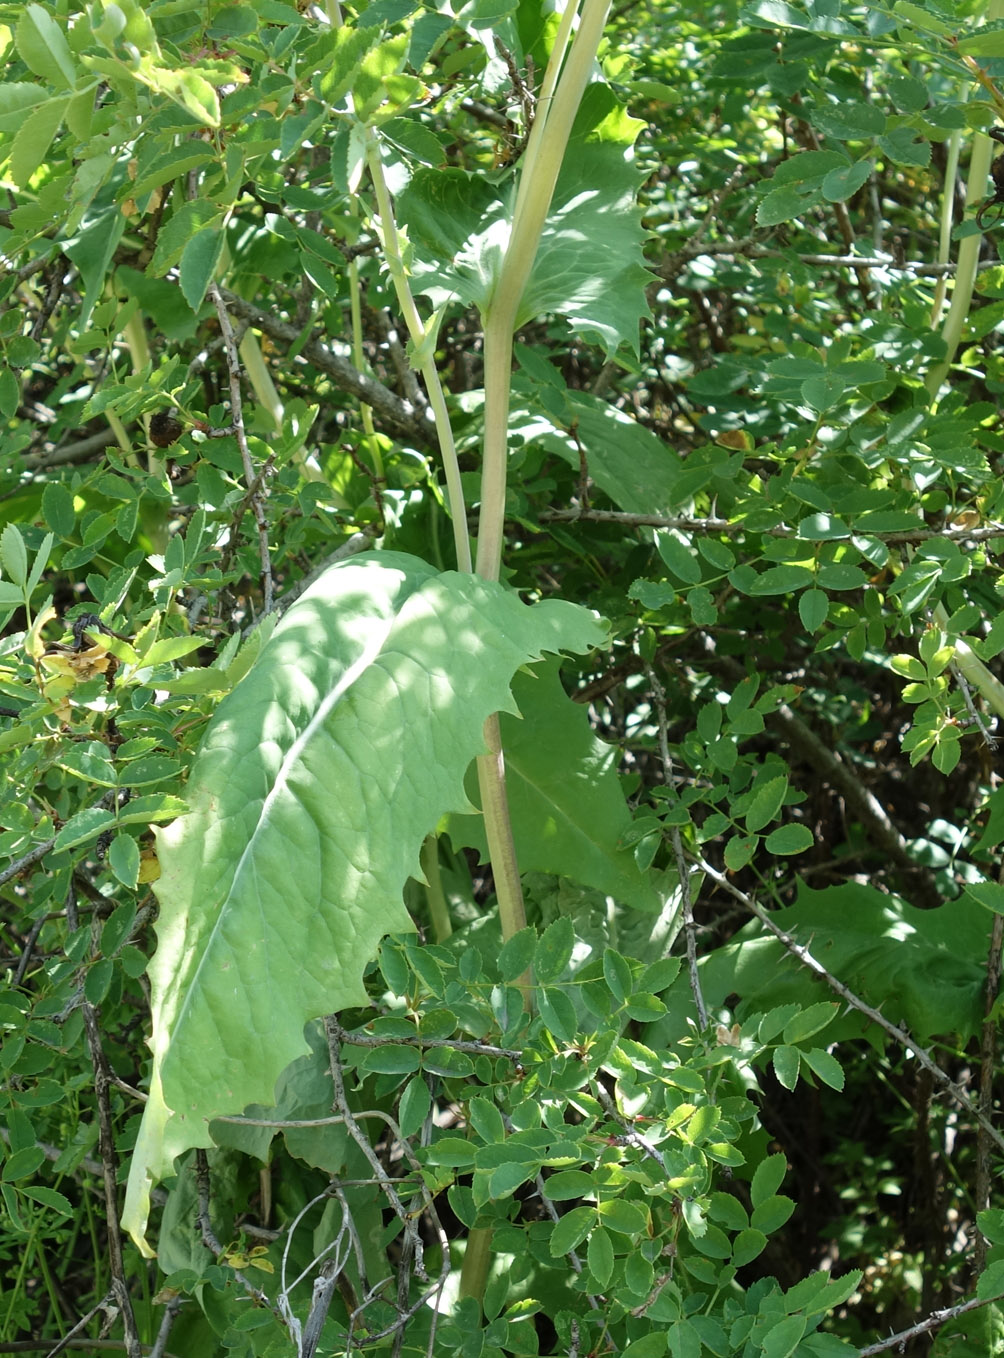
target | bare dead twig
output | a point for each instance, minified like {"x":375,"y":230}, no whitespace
{"x":869,"y":810}
{"x":108,"y":1155}
{"x":106,"y":1303}
{"x":988,"y":1069}
{"x":412,"y":1252}
{"x":400,"y":415}
{"x":237,"y":415}
{"x":101,"y":1345}
{"x":631,"y":1133}
{"x":358,"y":542}
{"x":52,"y":295}
{"x":307,"y":1335}
{"x":211,"y":1240}
{"x":715,"y":202}
{"x":975,"y":716}
{"x":752,"y":249}
{"x":460,"y":1044}
{"x":682,"y":868}
{"x":25,"y":861}
{"x":341,"y":1106}
{"x":170,"y":1315}
{"x":24,"y":962}
{"x":79,"y":450}
{"x":323,"y":1290}
{"x":406,"y":375}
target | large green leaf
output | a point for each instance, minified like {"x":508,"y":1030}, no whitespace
{"x":565,"y":800}
{"x":316,"y":782}
{"x":589,"y":265}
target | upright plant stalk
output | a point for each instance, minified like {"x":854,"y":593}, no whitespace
{"x":544,"y":155}
{"x":439,"y":910}
{"x":533,"y":201}
{"x":548,"y":141}
{"x":954,"y":146}
{"x":424,"y":349}
{"x":969,"y":250}
{"x":359,"y":359}
{"x":962,"y":295}
{"x":965,"y":272}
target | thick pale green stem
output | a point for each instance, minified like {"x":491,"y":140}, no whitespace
{"x":954,"y":146}
{"x":548,"y":143}
{"x":545,"y":152}
{"x":498,"y":832}
{"x":970,"y":665}
{"x":533,"y":201}
{"x":536,"y":189}
{"x":531,"y":156}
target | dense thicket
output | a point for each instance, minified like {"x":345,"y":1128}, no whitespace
{"x":371,"y":369}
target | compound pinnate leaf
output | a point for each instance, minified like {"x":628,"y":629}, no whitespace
{"x":316,"y":782}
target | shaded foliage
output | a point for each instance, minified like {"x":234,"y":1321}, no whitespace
{"x":732,"y":1088}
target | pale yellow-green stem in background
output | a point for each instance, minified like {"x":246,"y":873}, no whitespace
{"x":970,"y":666}
{"x":139,"y":353}
{"x":501,"y":847}
{"x":423,"y":342}
{"x":947,"y":214}
{"x":258,"y":375}
{"x":266,"y":394}
{"x":528,"y":164}
{"x":359,"y":360}
{"x":439,"y":910}
{"x":966,"y":266}
{"x":969,"y":250}
{"x":261,"y":380}
{"x":477,"y":1262}
{"x":123,"y":440}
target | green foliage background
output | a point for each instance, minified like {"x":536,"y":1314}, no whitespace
{"x":733,"y":1088}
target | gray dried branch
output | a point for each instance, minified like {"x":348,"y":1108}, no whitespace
{"x":399,"y":415}
{"x":254,"y":480}
{"x":690,"y":524}
{"x":212,"y":1241}
{"x":682,"y":869}
{"x":749,"y":248}
{"x":933,"y":1322}
{"x":108,"y":1155}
